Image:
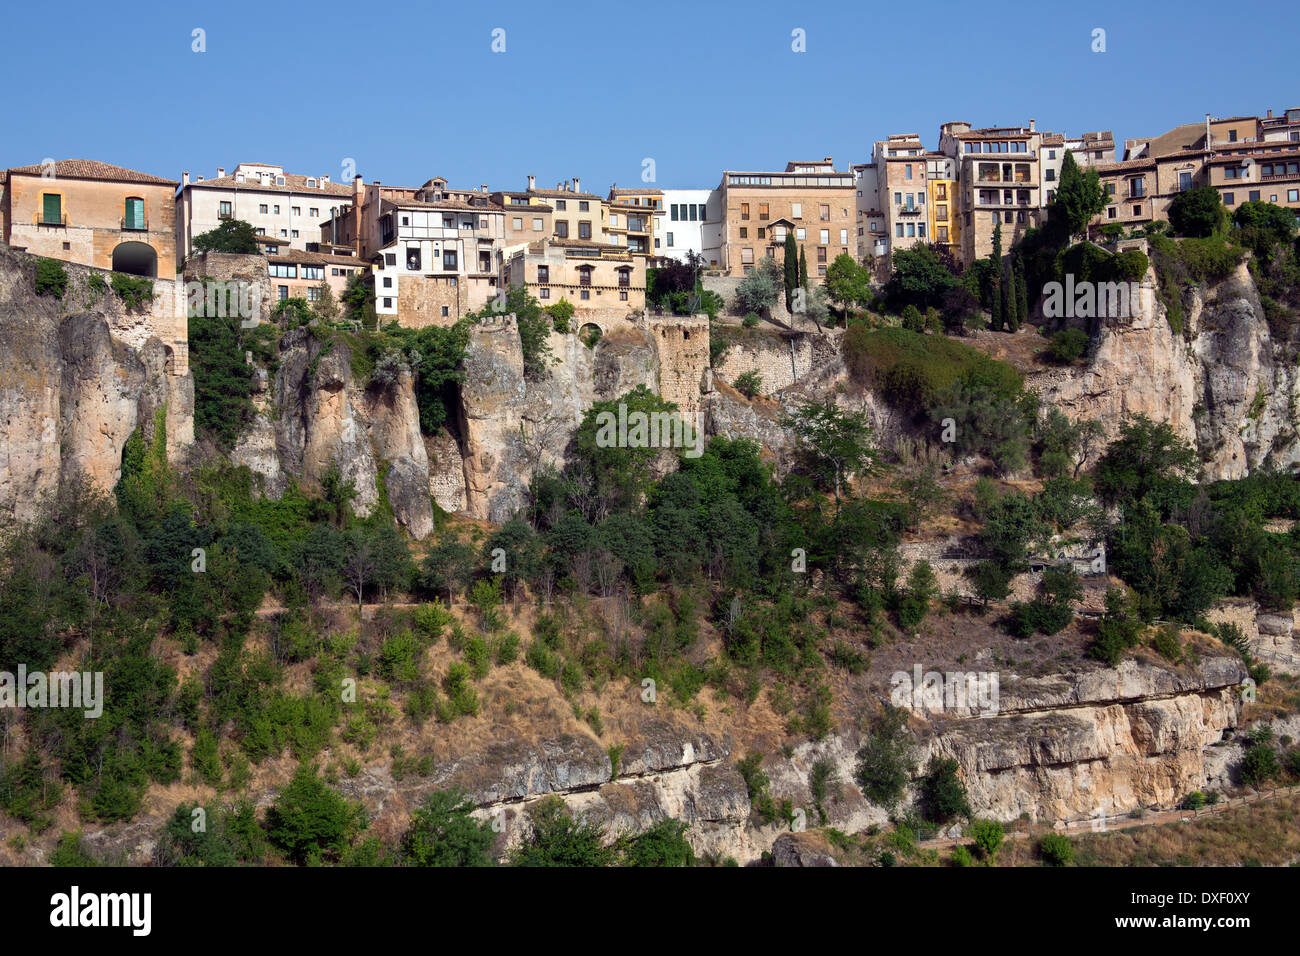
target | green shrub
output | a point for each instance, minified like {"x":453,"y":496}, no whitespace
{"x":1056,"y":849}
{"x":749,"y":384}
{"x":1068,"y":346}
{"x":51,"y":278}
{"x":1259,"y":765}
{"x":988,"y":836}
{"x":135,"y":291}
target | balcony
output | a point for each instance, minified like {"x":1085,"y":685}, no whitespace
{"x":38,"y":219}
{"x":134,"y":224}
{"x":908,"y":211}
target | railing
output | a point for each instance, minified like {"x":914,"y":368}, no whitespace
{"x":38,"y":219}
{"x":133,"y":224}
{"x":225,"y":215}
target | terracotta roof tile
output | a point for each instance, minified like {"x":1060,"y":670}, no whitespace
{"x":94,"y":169}
{"x":292,"y":183}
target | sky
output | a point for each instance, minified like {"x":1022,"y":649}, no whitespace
{"x":409,"y":91}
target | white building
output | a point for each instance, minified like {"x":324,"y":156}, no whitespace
{"x":680,"y":225}
{"x":279,"y":205}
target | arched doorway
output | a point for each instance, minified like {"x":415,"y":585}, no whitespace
{"x":136,"y":258}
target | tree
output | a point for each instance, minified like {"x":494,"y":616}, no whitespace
{"x":1264,"y":226}
{"x":846,"y":282}
{"x":791,"y":268}
{"x":761,"y":289}
{"x":803,"y":269}
{"x":233,"y":235}
{"x":311,"y":822}
{"x":1079,"y":197}
{"x":988,"y":836}
{"x":922,"y":493}
{"x":337,"y":493}
{"x":1022,"y":294}
{"x":1197,"y":212}
{"x":1011,"y":524}
{"x":664,"y":844}
{"x":443,"y":833}
{"x":942,"y":791}
{"x":992,"y":581}
{"x":832,"y":445}
{"x":1145,"y":456}
{"x":327,"y":307}
{"x":886,"y":759}
{"x":359,"y":567}
{"x":448,"y":566}
{"x":559,"y":840}
{"x":918,"y":276}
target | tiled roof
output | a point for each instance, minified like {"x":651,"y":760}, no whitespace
{"x":457,"y":204}
{"x":299,"y":255}
{"x":636,"y":192}
{"x":1266,"y":155}
{"x":292,"y":183}
{"x":562,"y":194}
{"x":1053,"y":139}
{"x":94,"y":169}
{"x":1104,"y":168}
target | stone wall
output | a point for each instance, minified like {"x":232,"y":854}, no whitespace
{"x":231,"y":267}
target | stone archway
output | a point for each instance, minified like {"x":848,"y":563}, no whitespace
{"x":136,"y":258}
{"x":589,"y":333}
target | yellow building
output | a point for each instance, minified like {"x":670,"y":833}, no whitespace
{"x":941,"y":188}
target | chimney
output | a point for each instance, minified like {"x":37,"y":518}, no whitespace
{"x":577,"y":184}
{"x":1033,"y":125}
{"x":185,"y":178}
{"x":829,"y":160}
{"x":199,"y":179}
{"x":532,"y":182}
{"x":324,"y":180}
{"x":220,"y":172}
{"x":482,"y":188}
{"x":1270,"y":115}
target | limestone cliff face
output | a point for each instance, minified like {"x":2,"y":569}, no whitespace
{"x":511,"y":425}
{"x":72,"y":390}
{"x":1228,"y":387}
{"x":316,"y":415}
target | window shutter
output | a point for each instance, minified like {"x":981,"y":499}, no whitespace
{"x":52,"y":211}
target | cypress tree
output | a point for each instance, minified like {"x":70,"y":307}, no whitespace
{"x":1022,"y":294}
{"x":803,"y":270}
{"x":1009,"y":299}
{"x":995,"y":321}
{"x":791,"y":268}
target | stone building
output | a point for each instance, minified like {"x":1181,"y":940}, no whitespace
{"x":595,"y":277}
{"x":93,"y":213}
{"x":998,"y":168}
{"x":278,"y":205}
{"x":811,"y":199}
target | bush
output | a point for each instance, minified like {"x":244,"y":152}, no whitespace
{"x":988,"y":835}
{"x":559,"y":840}
{"x":750,"y":320}
{"x":749,"y":384}
{"x":309,"y":821}
{"x":51,"y":278}
{"x":442,"y":833}
{"x":1260,"y":764}
{"x":561,"y":312}
{"x":886,"y":760}
{"x":942,"y":791}
{"x":135,"y":291}
{"x":1056,"y":849}
{"x":1068,"y":346}
{"x":912,"y":320}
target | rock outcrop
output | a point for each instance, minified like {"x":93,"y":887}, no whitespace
{"x":317,"y":415}
{"x":77,"y":376}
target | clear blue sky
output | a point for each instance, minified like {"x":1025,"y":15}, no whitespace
{"x":410,"y":91}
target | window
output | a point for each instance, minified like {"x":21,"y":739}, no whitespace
{"x":482,"y":222}
{"x":744,"y":232}
{"x":1050,"y":175}
{"x":584,"y":229}
{"x":942,"y":233}
{"x":762,"y":232}
{"x":562,"y":229}
{"x":517,"y":223}
{"x":696,"y":208}
{"x":544,"y":294}
{"x":920,"y":229}
{"x":584,"y":294}
{"x":1229,"y":199}
{"x":1254,"y":195}
{"x":224,"y":210}
{"x":622,"y":296}
{"x":313,"y":211}
{"x":824,"y":236}
{"x":801,"y":233}
{"x":746,"y":255}
{"x":390,"y":258}
{"x":134,"y":214}
{"x":824,"y":211}
{"x":1007,"y":217}
{"x":277,"y":210}
{"x":313,"y":294}
{"x":796,"y":210}
{"x":1184,"y":181}
{"x":388,"y":303}
{"x":583,"y":206}
{"x":283,"y":293}
{"x":537,"y":224}
{"x":388,"y":282}
{"x":413,"y":258}
{"x":672,"y":212}
{"x":444,"y":310}
{"x":449,"y":258}
{"x":293,"y":233}
{"x":907,"y":171}
{"x":280,"y":270}
{"x":763,"y":211}
{"x":625,"y":278}
{"x":295,"y":211}
{"x":911,"y":230}
{"x":1293,"y":195}
{"x":1110,"y":189}
{"x":670,"y":240}
{"x":561,"y":204}
{"x":744,"y":210}
{"x":262,"y":208}
{"x":613,"y":220}
{"x":898,"y":230}
{"x":844,"y":237}
{"x":313,"y":272}
{"x":1051,"y":154}
{"x":584,"y":275}
{"x":1110,"y":213}
{"x":1232,"y":136}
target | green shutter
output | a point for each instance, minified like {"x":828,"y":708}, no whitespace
{"x":135,"y":213}
{"x":52,"y":211}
